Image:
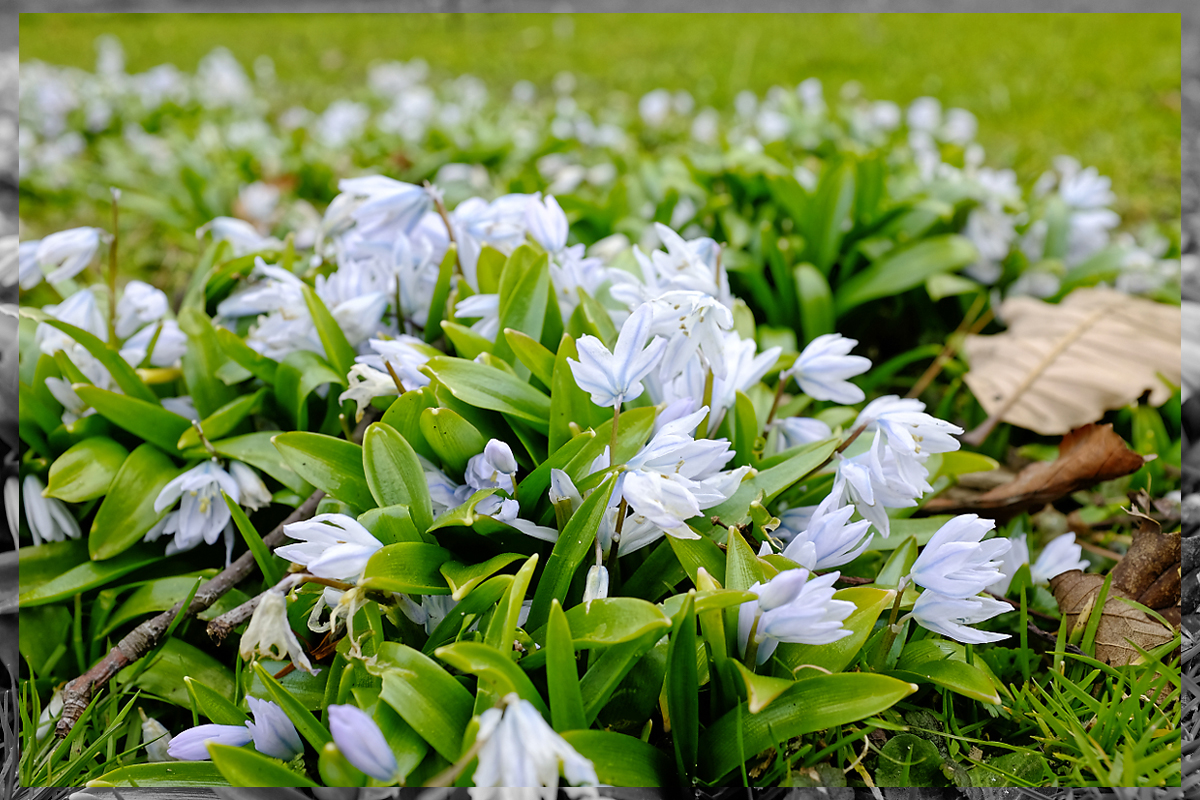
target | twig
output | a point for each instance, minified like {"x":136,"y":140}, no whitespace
{"x":950,"y":347}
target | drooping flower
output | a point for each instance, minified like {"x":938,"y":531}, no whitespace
{"x":157,"y":739}
{"x":63,"y":255}
{"x":270,"y":634}
{"x":521,"y":750}
{"x":791,"y":607}
{"x":332,"y":546}
{"x":824,"y":366}
{"x":361,"y":742}
{"x":1061,"y":555}
{"x":367,"y":383}
{"x":202,"y":514}
{"x":253,"y":493}
{"x":274,"y":734}
{"x":874,"y":482}
{"x":170,"y":344}
{"x":612,"y":378}
{"x":493,"y":468}
{"x":48,"y":517}
{"x":192,"y":744}
{"x":797,"y":431}
{"x":952,"y":616}
{"x":956,"y":562}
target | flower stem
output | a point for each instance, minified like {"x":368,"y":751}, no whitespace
{"x":775,"y":403}
{"x":612,"y":447}
{"x":702,"y":432}
{"x":889,"y":633}
{"x":752,"y":645}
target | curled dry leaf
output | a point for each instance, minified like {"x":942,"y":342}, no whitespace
{"x":1061,"y":366}
{"x":1086,"y":456}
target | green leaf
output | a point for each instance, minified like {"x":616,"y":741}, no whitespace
{"x":760,"y":689}
{"x":503,"y":626}
{"x":597,"y":322}
{"x":249,"y":359}
{"x":961,"y":462}
{"x":223,"y":421}
{"x":462,"y":578}
{"x":492,"y":389}
{"x":37,"y":564}
{"x":622,"y":760}
{"x":533,"y":354}
{"x":91,"y":575}
{"x":745,"y":432}
{"x":199,"y":774}
{"x":944,"y":285}
{"x":298,"y":376}
{"x":125,"y":376}
{"x":742,"y":569}
{"x":478,"y":601}
{"x":903,"y":269}
{"x":163,"y":593}
{"x":612,"y":620}
{"x":771,"y":482}
{"x":242,"y":766}
{"x":908,"y":760}
{"x":337,"y":349}
{"x":524,"y":291}
{"x":606,"y":672}
{"x":1028,"y":769}
{"x":829,"y":213}
{"x":408,"y":567}
{"x":573,"y":545}
{"x":42,"y":636}
{"x":86,"y":470}
{"x":407,"y":745}
{"x":694,"y":554}
{"x":259,"y":451}
{"x":957,"y":676}
{"x":467,"y":343}
{"x":404,"y":414}
{"x":174,"y":661}
{"x":333,"y":465}
{"x":272,"y":566}
{"x":869,"y":604}
{"x":306,"y":724}
{"x":213,"y":704}
{"x":425,"y":696}
{"x":394,"y":473}
{"x":809,"y":706}
{"x":682,"y":690}
{"x":201,"y":362}
{"x":146,"y":420}
{"x":562,"y":673}
{"x":532,"y":492}
{"x":308,"y":690}
{"x":392,"y":525}
{"x":441,"y":293}
{"x":452,"y":438}
{"x":899,"y":564}
{"x":493,"y":668}
{"x":817,"y":316}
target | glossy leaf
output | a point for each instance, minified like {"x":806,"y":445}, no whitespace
{"x":408,"y":567}
{"x":612,"y":620}
{"x":178,"y":774}
{"x":425,"y":696}
{"x":452,"y":438}
{"x":146,"y":420}
{"x":392,"y":525}
{"x":503,"y":626}
{"x":493,"y":668}
{"x":901,"y":270}
{"x":899,"y":564}
{"x":404,"y":414}
{"x":259,"y":451}
{"x":164,"y":673}
{"x":562,"y":673}
{"x":243,"y":355}
{"x":337,"y":349}
{"x":760,"y":689}
{"x":86,"y":470}
{"x":533,"y":354}
{"x":394,"y":473}
{"x":242,"y":766}
{"x":492,"y":389}
{"x":298,"y":376}
{"x":213,"y":704}
{"x":441,"y":293}
{"x":683,"y":691}
{"x":462,"y":578}
{"x":91,"y":575}
{"x":817,"y":316}
{"x":467,"y":343}
{"x":524,"y":292}
{"x":869,"y":603}
{"x":333,"y":465}
{"x":122,"y":373}
{"x":201,"y":363}
{"x":622,"y":760}
{"x":224,"y":420}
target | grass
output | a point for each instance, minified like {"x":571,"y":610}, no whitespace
{"x":1102,"y":87}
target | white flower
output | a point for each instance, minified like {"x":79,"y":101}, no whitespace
{"x":361,"y":742}
{"x":1017,"y":555}
{"x":29,"y":274}
{"x":873,"y":482}
{"x":691,"y":322}
{"x":65,"y":254}
{"x":906,"y":426}
{"x":203,"y":513}
{"x":547,"y":223}
{"x":253,"y":492}
{"x":259,"y":200}
{"x":182,"y":406}
{"x":613,"y":378}
{"x":955,"y":562}
{"x":792,"y":608}
{"x":1061,"y":555}
{"x":12,"y":507}
{"x":333,"y":546}
{"x":596,"y":585}
{"x":140,"y":304}
{"x":157,"y":739}
{"x":169,"y":347}
{"x":520,"y":749}
{"x":823,"y":367}
{"x":48,"y":517}
{"x":406,"y":354}
{"x":274,"y":734}
{"x":270,"y":634}
{"x":367,"y":383}
{"x":950,"y":616}
{"x":692,"y":265}
{"x":192,"y":744}
{"x":486,"y":307}
{"x":243,"y":237}
{"x":493,"y":468}
{"x":386,"y":204}
{"x":50,"y":712}
{"x":829,"y":539}
{"x":79,"y":310}
{"x":796,"y":431}
{"x":503,"y":510}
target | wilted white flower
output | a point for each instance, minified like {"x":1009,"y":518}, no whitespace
{"x":824,"y":366}
{"x":270,"y":634}
{"x":367,"y":383}
{"x":49,"y":518}
{"x":596,"y":585}
{"x":333,"y":546}
{"x":792,"y":608}
{"x":951,"y":616}
{"x":157,"y":739}
{"x":956,"y":562}
{"x":361,"y":742}
{"x":521,"y":749}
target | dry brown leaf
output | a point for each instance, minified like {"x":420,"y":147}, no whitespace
{"x":1076,"y":593}
{"x":1086,"y":456}
{"x":1061,"y":366}
{"x":1191,"y":342}
{"x":1150,"y":571}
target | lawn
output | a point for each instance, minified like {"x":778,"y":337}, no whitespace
{"x":1104,"y":88}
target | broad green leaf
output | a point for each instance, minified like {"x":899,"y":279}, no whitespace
{"x":746,"y":432}
{"x":85,"y":471}
{"x":337,"y":349}
{"x":568,"y":403}
{"x":524,"y":292}
{"x":336,"y":770}
{"x":489,"y":268}
{"x":809,"y":706}
{"x":408,"y":567}
{"x":42,"y":636}
{"x":308,"y":690}
{"x":532,"y":491}
{"x":503,"y":626}
{"x":441,"y":293}
{"x":1028,"y":769}
{"x":404,"y":414}
{"x":223,"y":421}
{"x":272,"y":566}
{"x":204,"y":357}
{"x":392,"y":525}
{"x":899,"y":564}
{"x":960,"y":462}
{"x":908,"y":760}
{"x":259,"y":451}
{"x":597,"y":322}
{"x":829,"y":212}
{"x":477,"y":602}
{"x":37,"y":564}
{"x":694,"y":554}
{"x":771,"y":482}
{"x":742,"y":568}
{"x":533,"y":354}
{"x":612,"y":620}
{"x":622,"y":760}
{"x":606,"y":672}
{"x":407,"y":745}
{"x":146,"y":420}
{"x":394,"y":473}
{"x":899,"y":271}
{"x":573,"y":546}
{"x":91,"y":575}
{"x":562,"y":674}
{"x":333,"y":465}
{"x":181,"y":774}
{"x":708,"y":600}
{"x":425,"y":696}
{"x":817,"y":315}
{"x":462,"y":578}
{"x":306,"y":724}
{"x":298,"y":376}
{"x":869,"y":604}
{"x":174,"y":661}
{"x":242,"y":766}
{"x":760,"y":689}
{"x":213,"y":704}
{"x":163,"y":593}
{"x":467,"y":343}
{"x":682,"y":689}
{"x":494,"y":668}
{"x":957,"y":676}
{"x":125,"y":376}
{"x":451,"y":437}
{"x":492,"y":389}
{"x":249,"y":359}
{"x":942,"y":285}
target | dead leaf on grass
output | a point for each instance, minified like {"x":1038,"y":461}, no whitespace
{"x":1059,"y":366}
{"x":1086,"y":456}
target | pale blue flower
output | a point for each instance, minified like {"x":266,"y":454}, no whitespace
{"x":203,"y":513}
{"x":956,"y":562}
{"x":274,"y":734}
{"x":824,"y":366}
{"x":951,"y":616}
{"x":192,"y":744}
{"x":63,"y":255}
{"x":49,"y":518}
{"x":547,"y":223}
{"x":519,"y":749}
{"x":906,"y":426}
{"x":612,"y":378}
{"x":829,"y":539}
{"x":494,"y":468}
{"x":792,"y":607}
{"x":332,"y":546}
{"x":361,"y":742}
{"x":1061,"y":555}
{"x":140,"y":304}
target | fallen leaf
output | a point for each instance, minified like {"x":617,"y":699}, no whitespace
{"x":1076,"y":593}
{"x":1059,"y":366}
{"x":1191,"y":340}
{"x":1086,"y":456}
{"x":1149,"y":573}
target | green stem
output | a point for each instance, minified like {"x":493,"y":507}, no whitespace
{"x":889,"y":633}
{"x":752,"y":646}
{"x":702,"y":433}
{"x":612,"y":447}
{"x":775,"y":403}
